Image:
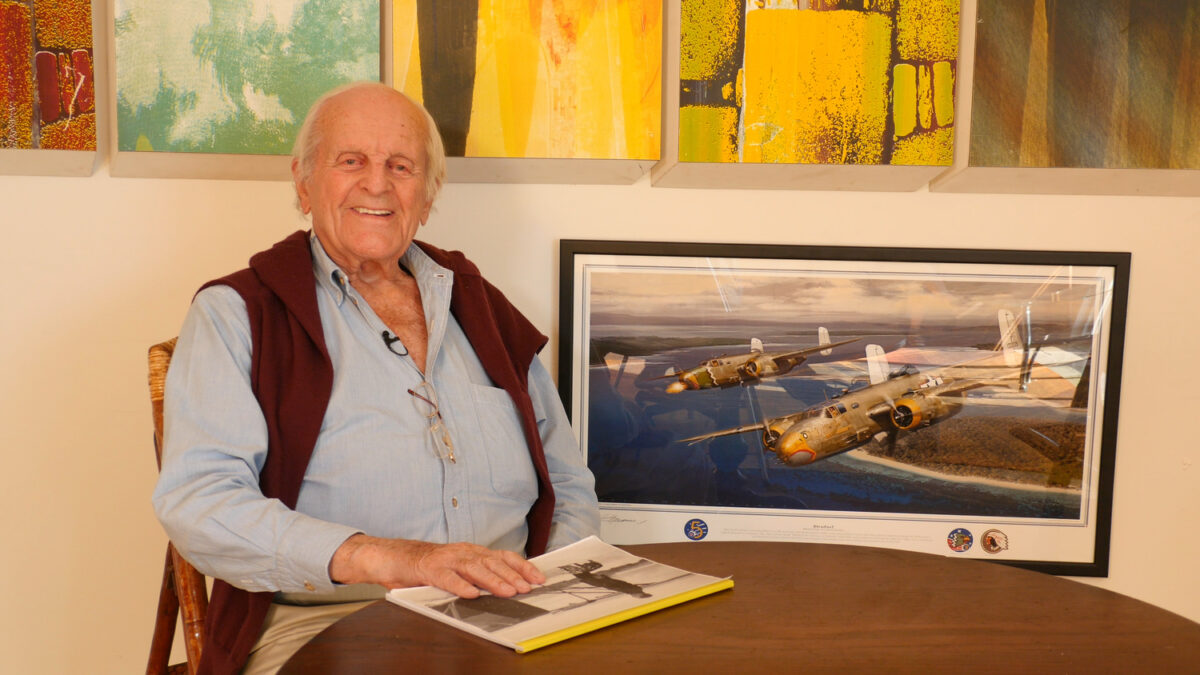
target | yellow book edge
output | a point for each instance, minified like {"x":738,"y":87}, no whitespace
{"x":531,"y":644}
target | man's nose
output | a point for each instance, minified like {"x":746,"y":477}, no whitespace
{"x":374,"y":179}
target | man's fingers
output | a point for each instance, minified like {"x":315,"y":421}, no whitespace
{"x":526,"y":569}
{"x":452,"y":582}
{"x":510,"y":580}
{"x":455,"y":567}
{"x":494,"y":576}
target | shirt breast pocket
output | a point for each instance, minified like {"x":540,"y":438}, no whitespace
{"x":510,"y":467}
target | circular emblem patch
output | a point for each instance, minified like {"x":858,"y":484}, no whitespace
{"x":994,"y":541}
{"x":695,"y":529}
{"x":959,"y":539}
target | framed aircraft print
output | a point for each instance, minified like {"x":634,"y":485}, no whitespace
{"x":957,"y":402}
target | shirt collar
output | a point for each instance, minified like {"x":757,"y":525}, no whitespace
{"x":416,"y":261}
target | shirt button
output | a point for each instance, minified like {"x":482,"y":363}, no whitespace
{"x":309,"y":587}
{"x":454,"y":502}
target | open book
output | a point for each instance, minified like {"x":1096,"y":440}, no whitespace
{"x":589,"y":585}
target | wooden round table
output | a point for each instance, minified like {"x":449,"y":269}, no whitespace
{"x":803,"y":608}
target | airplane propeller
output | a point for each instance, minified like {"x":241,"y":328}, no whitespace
{"x":902,"y":415}
{"x":899,"y":416}
{"x":769,"y":436}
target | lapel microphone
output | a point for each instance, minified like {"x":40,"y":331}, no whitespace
{"x":389,"y":340}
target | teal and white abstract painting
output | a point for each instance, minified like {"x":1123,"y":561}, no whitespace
{"x":234,"y":76}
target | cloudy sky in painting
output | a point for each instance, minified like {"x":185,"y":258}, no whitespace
{"x":667,"y":297}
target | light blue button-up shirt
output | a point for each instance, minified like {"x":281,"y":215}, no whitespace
{"x":376,"y":467}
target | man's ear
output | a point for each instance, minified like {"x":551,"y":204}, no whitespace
{"x":301,"y":187}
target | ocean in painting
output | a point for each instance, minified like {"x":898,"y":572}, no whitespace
{"x":634,"y":430}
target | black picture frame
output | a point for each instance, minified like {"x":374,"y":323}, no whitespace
{"x":1008,"y":452}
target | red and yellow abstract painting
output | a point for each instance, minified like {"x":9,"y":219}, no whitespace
{"x":535,"y":78}
{"x":818,"y":81}
{"x":47,"y":92}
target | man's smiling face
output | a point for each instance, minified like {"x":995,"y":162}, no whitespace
{"x":366,"y":192}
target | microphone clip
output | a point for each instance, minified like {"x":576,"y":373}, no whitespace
{"x":389,"y":340}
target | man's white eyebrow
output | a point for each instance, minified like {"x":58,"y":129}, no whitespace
{"x":364,"y":153}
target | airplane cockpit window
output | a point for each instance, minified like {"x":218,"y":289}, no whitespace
{"x":906,"y":369}
{"x":856,"y":385}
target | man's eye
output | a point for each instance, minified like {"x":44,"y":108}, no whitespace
{"x":401,"y":168}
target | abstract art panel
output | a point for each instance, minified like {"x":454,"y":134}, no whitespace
{"x":560,"y":79}
{"x":864,"y":82}
{"x":47,"y":92}
{"x":234,"y":76}
{"x":1087,"y":84}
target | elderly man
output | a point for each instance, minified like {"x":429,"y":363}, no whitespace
{"x":354,"y":412}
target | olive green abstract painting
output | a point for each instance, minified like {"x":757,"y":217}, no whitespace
{"x":234,"y":76}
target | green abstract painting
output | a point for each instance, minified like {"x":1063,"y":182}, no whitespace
{"x":234,"y":76}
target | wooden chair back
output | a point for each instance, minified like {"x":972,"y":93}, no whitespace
{"x":184,"y":589}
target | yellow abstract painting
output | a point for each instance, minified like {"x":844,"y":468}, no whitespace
{"x":535,"y":78}
{"x":818,"y":81}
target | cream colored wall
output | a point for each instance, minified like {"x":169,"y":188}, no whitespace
{"x":96,"y":269}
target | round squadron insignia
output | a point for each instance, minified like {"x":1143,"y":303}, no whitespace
{"x":695,"y":529}
{"x":994,"y":541}
{"x":959,"y":539}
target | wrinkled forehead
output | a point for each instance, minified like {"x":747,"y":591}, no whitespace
{"x":373,"y":122}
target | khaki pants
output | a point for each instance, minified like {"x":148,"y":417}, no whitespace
{"x":287,"y":628}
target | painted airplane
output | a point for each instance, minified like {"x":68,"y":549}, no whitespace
{"x":730,"y":370}
{"x":895,"y":400}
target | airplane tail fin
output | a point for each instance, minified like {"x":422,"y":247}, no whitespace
{"x":1010,"y":341}
{"x":877,"y":364}
{"x":823,"y":339}
{"x":756,"y":345}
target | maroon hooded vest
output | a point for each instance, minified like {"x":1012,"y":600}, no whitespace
{"x":292,"y":378}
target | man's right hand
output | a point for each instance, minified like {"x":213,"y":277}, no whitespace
{"x":460,"y":568}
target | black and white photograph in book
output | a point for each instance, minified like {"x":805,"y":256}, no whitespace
{"x":569,"y":585}
{"x":912,"y":398}
{"x":589,"y":585}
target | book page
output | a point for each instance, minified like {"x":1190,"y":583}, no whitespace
{"x":589,"y":584}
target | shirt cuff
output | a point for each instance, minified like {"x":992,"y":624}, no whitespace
{"x":302,"y":559}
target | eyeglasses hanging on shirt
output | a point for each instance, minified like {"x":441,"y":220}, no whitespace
{"x":426,"y":402}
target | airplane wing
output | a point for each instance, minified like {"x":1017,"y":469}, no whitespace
{"x":959,"y":386}
{"x":811,"y":350}
{"x":726,"y":432}
{"x":951,"y":383}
